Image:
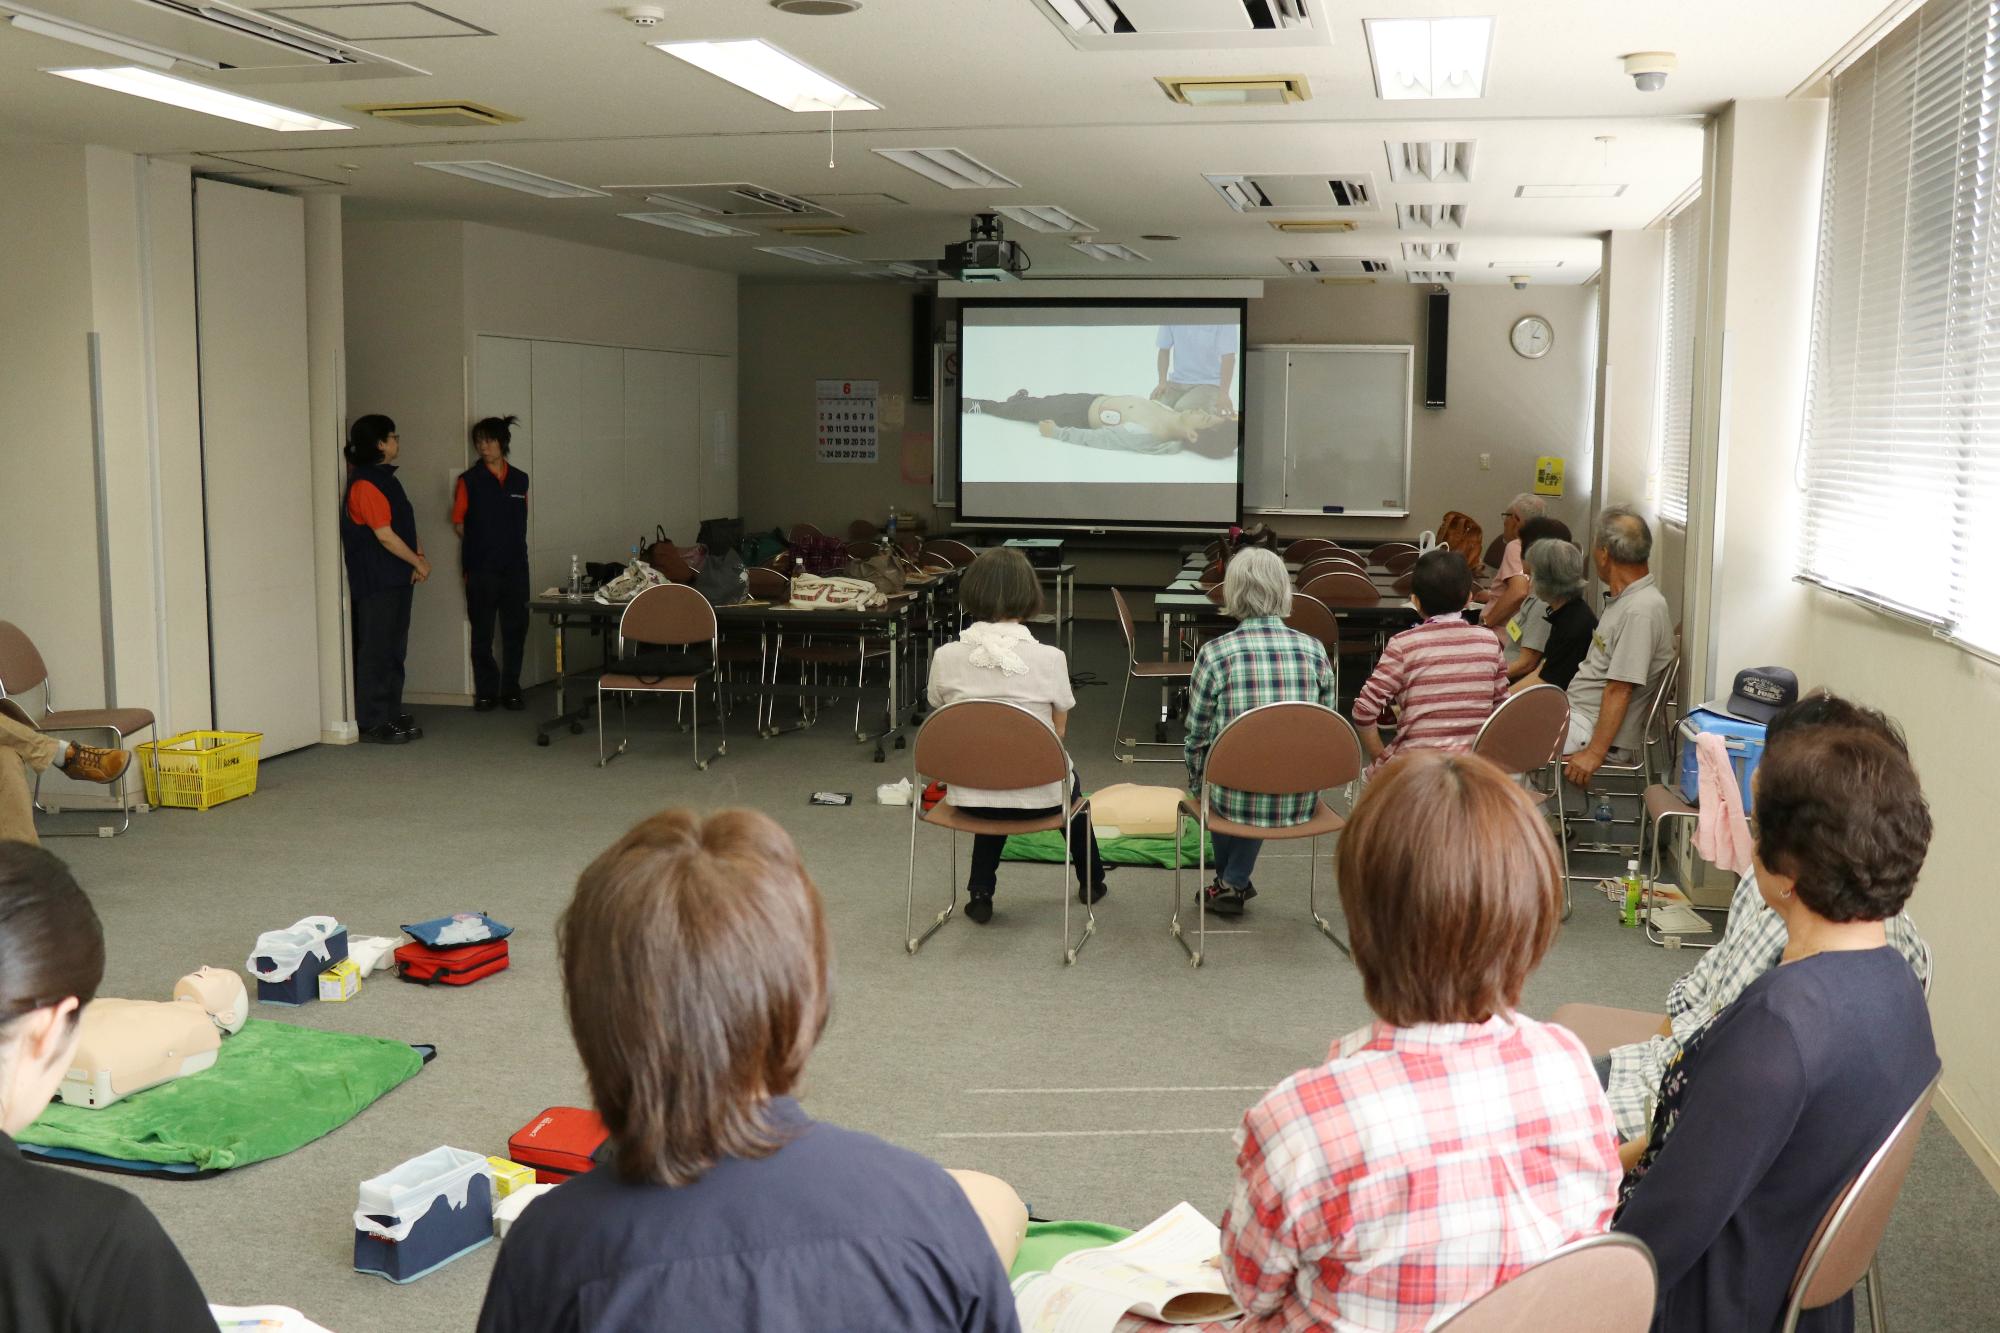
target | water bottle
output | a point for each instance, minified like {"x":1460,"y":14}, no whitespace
{"x":1601,"y":817}
{"x":891,"y":529}
{"x":575,"y":577}
{"x":1630,"y":916}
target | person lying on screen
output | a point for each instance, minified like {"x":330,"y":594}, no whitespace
{"x":1106,"y":421}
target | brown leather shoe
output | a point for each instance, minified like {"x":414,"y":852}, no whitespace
{"x":88,"y":764}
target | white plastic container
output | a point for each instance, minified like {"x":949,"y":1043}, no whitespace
{"x":423,"y":1214}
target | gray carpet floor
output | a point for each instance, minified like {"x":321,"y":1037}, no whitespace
{"x":1108,"y":1090}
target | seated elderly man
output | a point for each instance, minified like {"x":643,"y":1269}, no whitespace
{"x":41,"y":752}
{"x":1629,"y":653}
{"x":1509,"y":588}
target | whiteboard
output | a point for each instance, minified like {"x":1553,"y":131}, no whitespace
{"x":1327,"y":429}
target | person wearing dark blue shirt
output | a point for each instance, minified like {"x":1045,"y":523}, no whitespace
{"x":385,"y":561}
{"x":694,"y":963}
{"x":489,"y":512}
{"x":1781,"y":1100}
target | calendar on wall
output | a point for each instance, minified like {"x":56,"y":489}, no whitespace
{"x":847,"y":420}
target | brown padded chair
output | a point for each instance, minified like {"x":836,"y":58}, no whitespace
{"x":1603,"y":1029}
{"x":21,"y":671}
{"x":1281,"y":749}
{"x":864,"y":548}
{"x":990,"y":746}
{"x":1309,"y":548}
{"x":1343,"y":588}
{"x":671,"y":615}
{"x":1842,"y":1251}
{"x":1405,"y":583}
{"x":1326,"y":564}
{"x":951,"y":549}
{"x":1381,"y":554}
{"x":1212,"y":576}
{"x":1310,"y":616}
{"x":679,"y":563}
{"x":1164,"y":672}
{"x":1525,"y":734}
{"x":1601,"y":1284}
{"x":804,"y":532}
{"x":1402,"y":562}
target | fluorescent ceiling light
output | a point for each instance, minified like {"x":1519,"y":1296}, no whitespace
{"x":693,"y":226}
{"x":1569,"y":191}
{"x":1435,"y":58}
{"x":513,"y":178}
{"x":76,"y":35}
{"x":1101,"y":251}
{"x":756,"y":66}
{"x":949,"y":167}
{"x":185,"y":93}
{"x":1043,"y":217}
{"x":805,"y":254}
{"x":1093,"y":16}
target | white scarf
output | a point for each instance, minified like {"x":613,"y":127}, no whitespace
{"x":993,"y":646}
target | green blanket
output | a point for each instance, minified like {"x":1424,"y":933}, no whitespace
{"x":1119,"y":851}
{"x":273,"y":1088}
{"x":1047,"y":1242}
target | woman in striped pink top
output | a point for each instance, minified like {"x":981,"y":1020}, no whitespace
{"x":1444,"y":676}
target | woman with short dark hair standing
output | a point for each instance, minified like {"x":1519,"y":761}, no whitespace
{"x":75,"y":1254}
{"x":489,"y":512}
{"x":694,"y":964}
{"x":1776,"y":1105}
{"x":385,"y":560}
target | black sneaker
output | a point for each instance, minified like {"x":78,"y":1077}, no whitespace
{"x":388,"y":733}
{"x":979,"y":908}
{"x":1094,"y":894}
{"x":513,"y":703}
{"x":408,"y":726}
{"x":1249,"y":890}
{"x":484,"y":705}
{"x":1223,"y":900}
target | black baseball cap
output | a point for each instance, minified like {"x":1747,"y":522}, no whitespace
{"x":1760,"y":693}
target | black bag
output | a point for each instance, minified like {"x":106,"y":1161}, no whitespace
{"x":721,"y":534}
{"x":724,"y":580}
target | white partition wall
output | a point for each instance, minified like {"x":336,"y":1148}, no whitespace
{"x":257,"y":463}
{"x":616,"y":441}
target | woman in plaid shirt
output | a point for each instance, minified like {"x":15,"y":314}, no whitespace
{"x":1261,"y":661}
{"x":1452,"y":1143}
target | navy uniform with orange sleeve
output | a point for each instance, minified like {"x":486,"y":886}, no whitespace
{"x":491,"y":509}
{"x":379,"y":584}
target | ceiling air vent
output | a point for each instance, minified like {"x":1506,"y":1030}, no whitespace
{"x":438,"y":115}
{"x":1431,"y":161}
{"x":230,"y":43}
{"x":1335,"y":266}
{"x":1430,"y":217}
{"x":820,"y":230}
{"x":1186,"y":25}
{"x":1297,"y":193}
{"x":1312,"y":226}
{"x":1430,"y":252}
{"x":1241,"y":90}
{"x":1429,"y":276}
{"x":728,"y":199}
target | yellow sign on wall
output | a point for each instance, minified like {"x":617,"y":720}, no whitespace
{"x":1548,"y":476}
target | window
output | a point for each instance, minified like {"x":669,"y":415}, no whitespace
{"x":1677,"y":327}
{"x":1900,"y":459}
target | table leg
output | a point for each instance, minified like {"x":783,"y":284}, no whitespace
{"x":1166,"y":655}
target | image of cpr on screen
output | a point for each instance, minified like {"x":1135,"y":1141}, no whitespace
{"x":1061,"y":395}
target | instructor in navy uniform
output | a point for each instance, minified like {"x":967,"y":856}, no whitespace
{"x":385,"y":560}
{"x":490,"y":516}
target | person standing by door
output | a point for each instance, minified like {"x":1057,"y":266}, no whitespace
{"x":385,"y":560}
{"x":489,"y":513}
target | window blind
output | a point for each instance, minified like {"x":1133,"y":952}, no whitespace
{"x":1900,"y":458}
{"x":1677,"y":357}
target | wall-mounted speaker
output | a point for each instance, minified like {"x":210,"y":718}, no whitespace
{"x":1437,"y":337}
{"x":923,"y":336}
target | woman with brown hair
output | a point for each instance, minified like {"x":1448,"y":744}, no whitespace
{"x":694,"y":962}
{"x":75,"y":1254}
{"x":1452,"y":1143}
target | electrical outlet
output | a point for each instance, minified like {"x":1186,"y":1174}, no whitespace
{"x":1486,"y":462}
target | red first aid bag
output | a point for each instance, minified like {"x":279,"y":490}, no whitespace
{"x":558,"y":1143}
{"x":460,"y":965}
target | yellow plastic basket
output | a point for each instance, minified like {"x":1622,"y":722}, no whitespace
{"x":200,"y":769}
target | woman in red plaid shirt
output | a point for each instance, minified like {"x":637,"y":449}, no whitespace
{"x":1453,"y":1142}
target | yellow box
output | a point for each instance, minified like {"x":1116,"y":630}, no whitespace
{"x":340,"y":982}
{"x":508,"y":1176}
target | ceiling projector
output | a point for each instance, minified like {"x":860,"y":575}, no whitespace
{"x":987,"y":256}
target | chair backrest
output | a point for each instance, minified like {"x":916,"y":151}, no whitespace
{"x":955,"y":551}
{"x":1496,"y":550}
{"x":1213,"y":574}
{"x":1125,"y":624}
{"x":1285,"y":749}
{"x":1343,"y":588}
{"x":1402,"y":562}
{"x":1845,"y":1243}
{"x":1380,"y":555}
{"x":1308,"y":548}
{"x":1656,"y":711}
{"x":1526,"y":731}
{"x":768,"y":585}
{"x":1406,"y":583}
{"x":861,"y":530}
{"x":675,"y":562}
{"x":1601,"y":1284}
{"x":1312,"y":569}
{"x":864,"y":548}
{"x":987,"y":744}
{"x":1310,"y":616}
{"x":21,"y":666}
{"x":668,"y":616}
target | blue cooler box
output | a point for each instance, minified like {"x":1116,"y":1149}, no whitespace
{"x":1744,"y":738}
{"x":302,"y":985}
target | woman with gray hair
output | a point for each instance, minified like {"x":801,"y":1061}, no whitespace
{"x":1510,"y":585}
{"x":1261,"y":661}
{"x":1556,"y":568}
